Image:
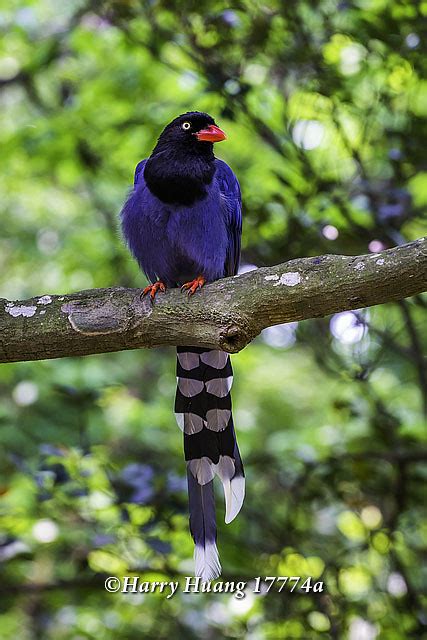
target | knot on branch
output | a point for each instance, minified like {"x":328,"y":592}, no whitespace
{"x":234,"y":338}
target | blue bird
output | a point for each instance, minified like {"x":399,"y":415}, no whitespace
{"x":183,"y":223}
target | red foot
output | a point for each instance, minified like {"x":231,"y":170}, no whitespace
{"x":152,"y":289}
{"x":195,"y":284}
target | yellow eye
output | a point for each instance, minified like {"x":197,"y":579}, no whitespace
{"x":186,"y":126}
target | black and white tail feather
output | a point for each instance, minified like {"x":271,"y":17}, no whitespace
{"x":203,"y":413}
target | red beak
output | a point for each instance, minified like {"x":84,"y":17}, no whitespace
{"x":212,"y":133}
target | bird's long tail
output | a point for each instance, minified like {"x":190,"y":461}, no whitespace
{"x":203,"y":412}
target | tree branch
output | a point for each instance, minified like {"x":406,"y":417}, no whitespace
{"x":226,"y":314}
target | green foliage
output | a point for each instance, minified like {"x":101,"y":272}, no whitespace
{"x":324,"y":104}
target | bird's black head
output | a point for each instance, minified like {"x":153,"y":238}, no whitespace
{"x":187,"y":131}
{"x":182,"y":162}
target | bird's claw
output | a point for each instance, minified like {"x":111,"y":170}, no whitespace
{"x":192,"y":286}
{"x":152,"y":289}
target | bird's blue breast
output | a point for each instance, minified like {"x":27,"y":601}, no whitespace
{"x":176,"y":243}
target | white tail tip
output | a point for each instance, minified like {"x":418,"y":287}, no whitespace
{"x":234,"y":504}
{"x":207,"y":564}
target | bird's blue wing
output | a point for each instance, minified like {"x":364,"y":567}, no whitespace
{"x":232,"y":208}
{"x":138,"y":171}
{"x":135,"y":222}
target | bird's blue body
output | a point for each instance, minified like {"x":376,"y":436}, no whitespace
{"x":175,"y":242}
{"x":182,"y":222}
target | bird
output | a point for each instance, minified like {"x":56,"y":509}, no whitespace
{"x":182,"y":221}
